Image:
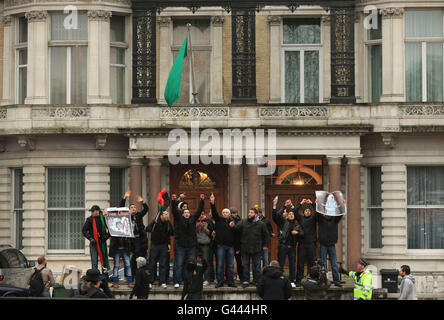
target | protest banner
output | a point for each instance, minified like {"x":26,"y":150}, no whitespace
{"x":119,"y":222}
{"x":331,"y":204}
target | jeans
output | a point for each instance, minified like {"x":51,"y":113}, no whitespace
{"x":306,"y":255}
{"x":205,"y":250}
{"x":225,"y":254}
{"x":181,"y":255}
{"x":121,"y":253}
{"x":159,"y":253}
{"x":331,"y":252}
{"x":256,"y":265}
{"x":46,"y":294}
{"x":283,"y":252}
{"x":238,"y":258}
{"x":94,"y":256}
{"x":265,"y":258}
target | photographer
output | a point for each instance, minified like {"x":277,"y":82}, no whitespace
{"x":316,"y":284}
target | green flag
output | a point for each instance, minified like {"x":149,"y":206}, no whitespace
{"x":172,"y":89}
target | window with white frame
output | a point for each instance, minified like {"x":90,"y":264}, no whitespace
{"x":117,"y":186}
{"x":201,"y":44}
{"x":21,"y":59}
{"x":118,"y":50}
{"x":374,"y":54}
{"x":68,"y":60}
{"x":425,"y":207}
{"x":66,"y":208}
{"x":424,"y":55}
{"x":374,"y":207}
{"x":18,"y":206}
{"x":301,"y":54}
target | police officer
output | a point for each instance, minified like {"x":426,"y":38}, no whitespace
{"x":362,"y":279}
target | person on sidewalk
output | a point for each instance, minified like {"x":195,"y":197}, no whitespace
{"x":273,"y":285}
{"x":161,"y":233}
{"x":254,"y":239}
{"x":408,"y":287}
{"x":41,"y":279}
{"x":362,"y":279}
{"x":225,"y":237}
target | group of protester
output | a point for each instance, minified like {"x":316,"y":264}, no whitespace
{"x":202,"y":237}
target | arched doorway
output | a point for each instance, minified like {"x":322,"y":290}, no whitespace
{"x":293,"y":179}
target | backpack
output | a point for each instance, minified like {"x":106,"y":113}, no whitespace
{"x":36,"y":283}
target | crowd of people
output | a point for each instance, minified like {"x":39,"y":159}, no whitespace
{"x":202,"y":238}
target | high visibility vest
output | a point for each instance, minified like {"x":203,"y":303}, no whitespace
{"x":363,"y":285}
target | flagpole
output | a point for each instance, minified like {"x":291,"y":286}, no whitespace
{"x":194,"y":100}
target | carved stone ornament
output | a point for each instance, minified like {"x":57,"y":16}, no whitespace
{"x":26,"y":143}
{"x":3,"y":113}
{"x":99,"y":15}
{"x":274,"y":20}
{"x":14,"y":3}
{"x":101,"y":141}
{"x":388,"y":140}
{"x":217,"y":20}
{"x":164,"y":21}
{"x":194,"y":112}
{"x":424,"y":110}
{"x":6,"y":20}
{"x":35,"y":16}
{"x":392,"y":12}
{"x":293,"y":112}
{"x":60,"y":112}
{"x":325,"y":19}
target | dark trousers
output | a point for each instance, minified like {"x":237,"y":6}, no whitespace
{"x":139,"y":251}
{"x":205,"y":250}
{"x":283,"y":253}
{"x":159,"y":254}
{"x":306,"y":256}
{"x":238,"y":258}
{"x":256,"y":266}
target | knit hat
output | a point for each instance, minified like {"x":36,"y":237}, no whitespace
{"x":141,"y":261}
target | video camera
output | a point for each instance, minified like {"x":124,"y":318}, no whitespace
{"x":321,"y":271}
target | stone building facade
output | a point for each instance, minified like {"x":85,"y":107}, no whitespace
{"x":83,"y":117}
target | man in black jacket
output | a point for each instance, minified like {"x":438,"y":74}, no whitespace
{"x":161,"y":232}
{"x":225,"y":236}
{"x":265,"y":253}
{"x":288,"y":238}
{"x":307,"y":242}
{"x":193,"y":279}
{"x":273,"y":285}
{"x":254,"y":239}
{"x":328,"y":236}
{"x":140,"y":242}
{"x":237,"y":244}
{"x":102,"y":234}
{"x":142,"y":287}
{"x":184,"y":235}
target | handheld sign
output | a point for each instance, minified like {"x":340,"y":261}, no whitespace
{"x":119,"y":222}
{"x":331,"y":204}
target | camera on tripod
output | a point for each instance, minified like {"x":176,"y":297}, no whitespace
{"x":321,"y":271}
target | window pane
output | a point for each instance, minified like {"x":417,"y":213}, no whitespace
{"x":78,"y":75}
{"x":422,"y":23}
{"x":376,"y":72}
{"x":434,"y":185}
{"x":311,"y":76}
{"x":292,"y":76}
{"x":375,"y":228}
{"x":19,"y":229}
{"x":117,"y":85}
{"x":374,"y":187}
{"x":59,"y":32}
{"x":413,"y":71}
{"x":18,"y":188}
{"x":22,"y":73}
{"x":434,"y":72}
{"x":22,"y":30}
{"x":58,"y":75}
{"x":117,"y":186}
{"x":117,"y":29}
{"x":302,"y":31}
{"x":117,"y":56}
{"x":76,"y":179}
{"x":416,"y":186}
{"x":23,"y":56}
{"x":65,"y":229}
{"x":66,"y":187}
{"x":425,"y":228}
{"x":377,"y":33}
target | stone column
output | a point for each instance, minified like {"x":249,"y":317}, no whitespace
{"x":393,"y":55}
{"x":353,"y":211}
{"x":135,"y":179}
{"x":275,"y":59}
{"x":216,"y":94}
{"x":234,"y":187}
{"x":8,"y":61}
{"x":99,"y":56}
{"x":37,"y":88}
{"x":6,"y":229}
{"x":254,"y":187}
{"x":154,"y":166}
{"x":334,"y":184}
{"x":164,"y":55}
{"x":34,"y":229}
